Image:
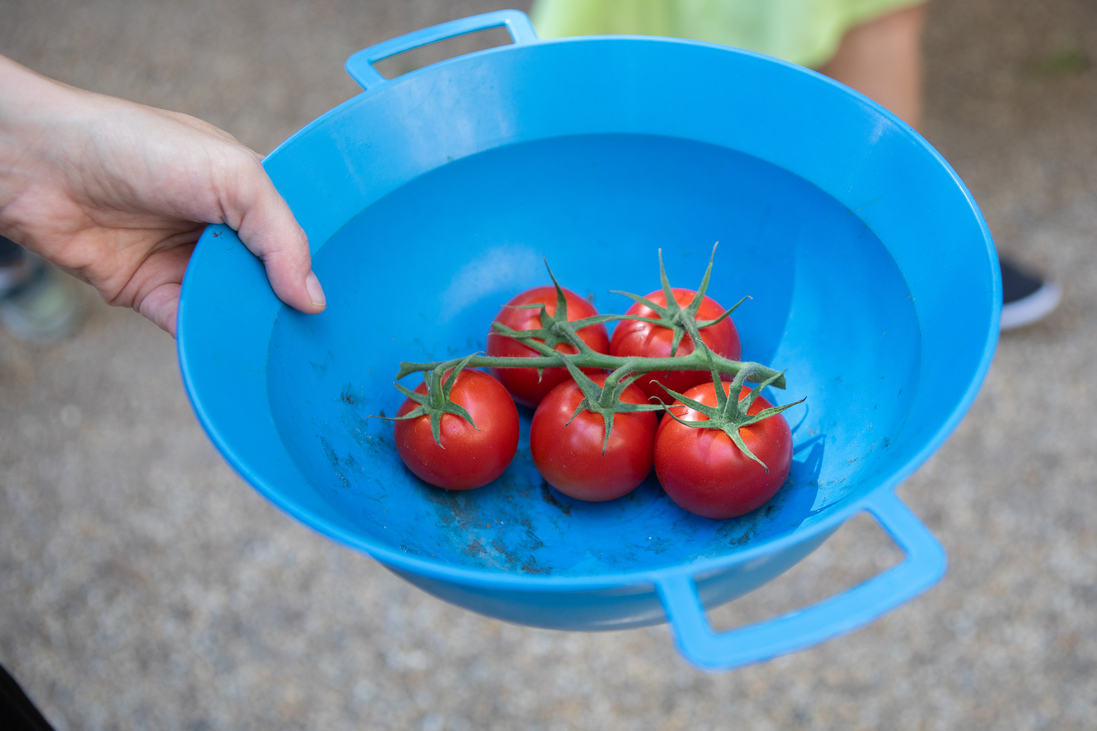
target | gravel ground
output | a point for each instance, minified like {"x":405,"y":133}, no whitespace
{"x":143,"y":585}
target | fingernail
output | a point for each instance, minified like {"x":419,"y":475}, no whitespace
{"x":316,"y":292}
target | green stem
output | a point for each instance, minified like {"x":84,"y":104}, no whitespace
{"x":695,"y":361}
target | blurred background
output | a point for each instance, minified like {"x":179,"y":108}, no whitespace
{"x":143,"y":585}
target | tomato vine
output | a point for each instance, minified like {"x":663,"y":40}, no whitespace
{"x":605,"y":400}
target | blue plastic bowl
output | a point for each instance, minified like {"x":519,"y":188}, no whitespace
{"x":430,"y":199}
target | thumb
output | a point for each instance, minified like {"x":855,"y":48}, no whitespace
{"x":269,"y":230}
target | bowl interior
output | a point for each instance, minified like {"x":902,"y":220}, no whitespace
{"x":420,"y":273}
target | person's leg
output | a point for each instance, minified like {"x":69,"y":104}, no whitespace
{"x":882,"y":59}
{"x":13,"y":261}
{"x":17,"y":712}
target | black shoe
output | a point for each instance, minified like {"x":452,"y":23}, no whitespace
{"x":1025,"y":297}
{"x":36,"y":306}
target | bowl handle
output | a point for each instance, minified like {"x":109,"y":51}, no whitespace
{"x":923,"y":567}
{"x":360,"y":65}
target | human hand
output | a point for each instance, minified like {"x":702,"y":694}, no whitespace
{"x":117,"y":194}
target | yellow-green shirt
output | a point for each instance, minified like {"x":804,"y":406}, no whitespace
{"x":806,"y":32}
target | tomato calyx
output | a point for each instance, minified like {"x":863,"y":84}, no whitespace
{"x":555,"y":328}
{"x":436,"y":401}
{"x":730,"y":414}
{"x":606,"y":400}
{"x":679,"y":320}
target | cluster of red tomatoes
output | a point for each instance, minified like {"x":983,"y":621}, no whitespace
{"x":702,"y":470}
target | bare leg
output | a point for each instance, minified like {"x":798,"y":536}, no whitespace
{"x":882,"y":59}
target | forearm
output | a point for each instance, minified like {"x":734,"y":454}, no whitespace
{"x":28,"y":118}
{"x":87,"y":178}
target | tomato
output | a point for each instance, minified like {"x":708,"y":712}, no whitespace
{"x":707,"y":474}
{"x":570,"y":456}
{"x":523,"y":383}
{"x":635,"y":338}
{"x":472,"y":456}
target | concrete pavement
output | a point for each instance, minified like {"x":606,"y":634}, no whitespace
{"x":143,"y":585}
